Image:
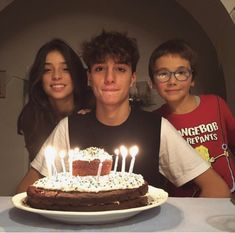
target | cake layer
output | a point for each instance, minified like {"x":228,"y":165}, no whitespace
{"x":137,"y":202}
{"x":117,"y":190}
{"x":90,"y":168}
{"x":85,"y":198}
{"x":86,"y":162}
{"x":87,"y":201}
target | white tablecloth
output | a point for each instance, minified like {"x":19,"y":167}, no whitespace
{"x":176,"y":215}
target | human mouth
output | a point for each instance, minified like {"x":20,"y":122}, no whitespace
{"x":57,"y":87}
{"x":171,"y":91}
{"x":109,"y":90}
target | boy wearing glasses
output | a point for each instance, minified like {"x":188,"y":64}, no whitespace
{"x":205,"y":121}
{"x":111,"y":58}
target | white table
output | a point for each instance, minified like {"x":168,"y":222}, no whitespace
{"x":176,"y":215}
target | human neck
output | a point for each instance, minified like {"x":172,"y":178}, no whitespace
{"x":63,"y":107}
{"x":112,"y":115}
{"x":186,"y":105}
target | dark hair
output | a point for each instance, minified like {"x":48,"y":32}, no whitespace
{"x":116,"y":45}
{"x":174,"y":47}
{"x":38,"y":99}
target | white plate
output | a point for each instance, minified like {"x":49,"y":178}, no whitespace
{"x":156,"y":197}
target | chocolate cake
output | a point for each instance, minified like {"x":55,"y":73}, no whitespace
{"x":88,"y":193}
{"x":86,"y":189}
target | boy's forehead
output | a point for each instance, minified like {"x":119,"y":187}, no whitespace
{"x":112,"y":59}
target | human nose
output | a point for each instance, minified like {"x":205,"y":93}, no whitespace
{"x":172,"y":78}
{"x":56,"y":74}
{"x":109,"y":76}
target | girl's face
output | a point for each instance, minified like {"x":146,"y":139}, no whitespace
{"x":56,"y":80}
{"x":173,"y":90}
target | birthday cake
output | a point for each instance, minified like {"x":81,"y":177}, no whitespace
{"x":87,"y":193}
{"x":97,"y":191}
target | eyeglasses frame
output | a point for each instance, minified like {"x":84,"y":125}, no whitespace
{"x":174,"y":73}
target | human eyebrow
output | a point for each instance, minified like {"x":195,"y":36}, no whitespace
{"x":183,"y":67}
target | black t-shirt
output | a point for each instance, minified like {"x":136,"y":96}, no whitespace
{"x":141,"y":129}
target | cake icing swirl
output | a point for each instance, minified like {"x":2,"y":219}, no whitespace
{"x":92,"y":153}
{"x":113,"y":181}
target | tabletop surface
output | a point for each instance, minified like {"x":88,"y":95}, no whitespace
{"x":176,"y":215}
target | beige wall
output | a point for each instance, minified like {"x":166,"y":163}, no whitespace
{"x":25,"y":25}
{"x":215,"y":21}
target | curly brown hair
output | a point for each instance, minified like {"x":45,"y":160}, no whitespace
{"x":116,"y":45}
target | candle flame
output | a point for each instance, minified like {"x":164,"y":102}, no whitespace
{"x":76,"y":150}
{"x":134,"y":151}
{"x":116,"y":151}
{"x":50,"y":153}
{"x":123,"y":151}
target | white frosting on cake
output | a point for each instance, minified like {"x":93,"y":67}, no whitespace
{"x":66,"y":182}
{"x":92,"y":153}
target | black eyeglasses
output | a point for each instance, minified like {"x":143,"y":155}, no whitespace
{"x":181,"y":74}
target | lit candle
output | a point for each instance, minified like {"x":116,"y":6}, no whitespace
{"x":116,"y":151}
{"x":124,"y":152}
{"x":50,"y":154}
{"x":71,"y":153}
{"x":133,"y":152}
{"x":53,"y":155}
{"x":62,"y":155}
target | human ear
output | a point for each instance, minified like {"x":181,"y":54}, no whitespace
{"x":192,"y":84}
{"x":150,"y":83}
{"x":133,"y":79}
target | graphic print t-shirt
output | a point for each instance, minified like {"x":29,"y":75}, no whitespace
{"x":206,"y":129}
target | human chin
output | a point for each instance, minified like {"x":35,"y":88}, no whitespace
{"x":171,"y":98}
{"x":109,"y":94}
{"x":109,"y":99}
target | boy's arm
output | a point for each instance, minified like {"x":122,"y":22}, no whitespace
{"x":58,"y":139}
{"x":31,"y":176}
{"x":212,"y":185}
{"x":180,"y":163}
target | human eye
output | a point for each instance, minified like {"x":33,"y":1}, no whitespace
{"x":162,"y":74}
{"x":181,"y":72}
{"x":185,"y":73}
{"x":98,"y":68}
{"x":65,"y":69}
{"x":47,"y":69}
{"x":121,"y":69}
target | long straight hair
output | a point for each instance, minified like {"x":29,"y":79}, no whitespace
{"x":37,"y":98}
